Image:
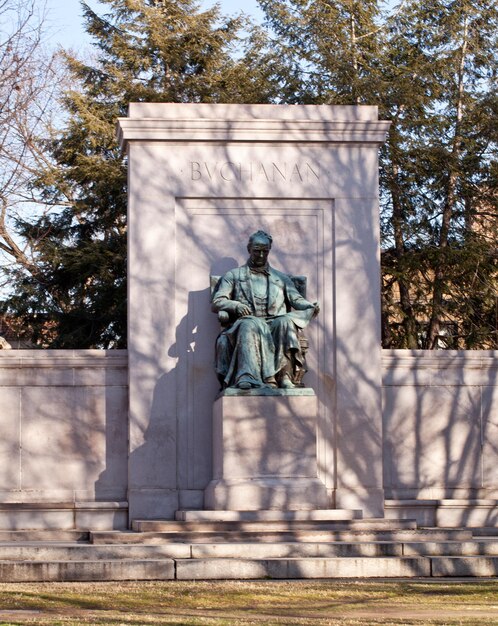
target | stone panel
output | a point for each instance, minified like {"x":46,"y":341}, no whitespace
{"x":432,"y":438}
{"x":63,"y":437}
{"x":265,"y":436}
{"x":74,"y":439}
{"x":10,"y":441}
{"x":489,"y":417}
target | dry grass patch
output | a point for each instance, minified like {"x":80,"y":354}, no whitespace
{"x":267,"y":602}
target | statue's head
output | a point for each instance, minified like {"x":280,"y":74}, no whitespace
{"x":260,"y":237}
{"x":259,"y":247}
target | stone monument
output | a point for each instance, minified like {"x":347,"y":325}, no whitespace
{"x":202,"y":179}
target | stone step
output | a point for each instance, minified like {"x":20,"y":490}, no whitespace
{"x":485,"y":531}
{"x":44,"y":551}
{"x":451,"y":548}
{"x":274,"y":525}
{"x":44,"y":535}
{"x":360,"y":567}
{"x":342,"y":549}
{"x":466,"y":566}
{"x":89,"y":571}
{"x":244,"y":568}
{"x":272,"y":536}
{"x":268,"y":515}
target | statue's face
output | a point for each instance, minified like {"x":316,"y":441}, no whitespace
{"x":258,"y":253}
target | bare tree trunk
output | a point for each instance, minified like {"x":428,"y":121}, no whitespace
{"x":29,"y":82}
{"x":408,"y":321}
{"x":354,"y":57}
{"x":448,"y":208}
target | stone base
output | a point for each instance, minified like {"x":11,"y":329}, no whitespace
{"x":63,"y":516}
{"x":446,"y":513}
{"x":261,"y":515}
{"x":285,"y":494}
{"x":264,"y":454}
{"x":369,"y":500}
{"x":152,"y":503}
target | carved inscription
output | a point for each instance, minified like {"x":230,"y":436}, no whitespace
{"x":254,"y":171}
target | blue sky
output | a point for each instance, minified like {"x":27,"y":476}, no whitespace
{"x":65,"y":22}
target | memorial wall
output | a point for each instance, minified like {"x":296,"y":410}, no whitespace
{"x":64,"y":444}
{"x":94,"y":439}
{"x":63,"y":417}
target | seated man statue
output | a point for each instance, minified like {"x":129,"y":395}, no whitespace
{"x":263,"y":310}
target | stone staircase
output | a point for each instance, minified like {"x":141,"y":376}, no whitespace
{"x":204,"y":545}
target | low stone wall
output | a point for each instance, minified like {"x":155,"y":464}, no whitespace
{"x":440,"y":412}
{"x":64,"y":444}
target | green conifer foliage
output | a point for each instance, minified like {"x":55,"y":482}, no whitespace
{"x":439,"y":177}
{"x":332,"y":45}
{"x":161,"y":51}
{"x":431,"y":68}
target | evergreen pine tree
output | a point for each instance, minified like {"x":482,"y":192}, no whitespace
{"x":333,"y":46}
{"x":431,"y":68}
{"x":439,"y":176}
{"x":161,"y":51}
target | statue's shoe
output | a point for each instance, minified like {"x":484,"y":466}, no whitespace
{"x":286,"y":383}
{"x":271,"y":382}
{"x":244,"y":384}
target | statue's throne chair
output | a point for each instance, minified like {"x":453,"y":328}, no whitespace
{"x":299,"y":368}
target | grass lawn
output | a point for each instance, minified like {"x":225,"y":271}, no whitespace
{"x":267,"y":602}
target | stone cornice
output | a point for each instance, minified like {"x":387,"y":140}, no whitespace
{"x":440,"y":359}
{"x":63,"y":358}
{"x":251,"y":130}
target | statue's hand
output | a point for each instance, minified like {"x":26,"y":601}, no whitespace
{"x":242,"y":310}
{"x":316,"y":306}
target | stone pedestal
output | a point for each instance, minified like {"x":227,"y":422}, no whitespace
{"x":264,"y":453}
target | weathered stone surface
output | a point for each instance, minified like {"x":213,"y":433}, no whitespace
{"x":475,"y":566}
{"x":73,"y":571}
{"x":267,"y":515}
{"x":390,"y":567}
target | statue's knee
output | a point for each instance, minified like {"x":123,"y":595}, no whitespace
{"x":248,"y":327}
{"x":282,"y":324}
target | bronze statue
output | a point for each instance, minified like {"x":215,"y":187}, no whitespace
{"x":262,"y":311}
